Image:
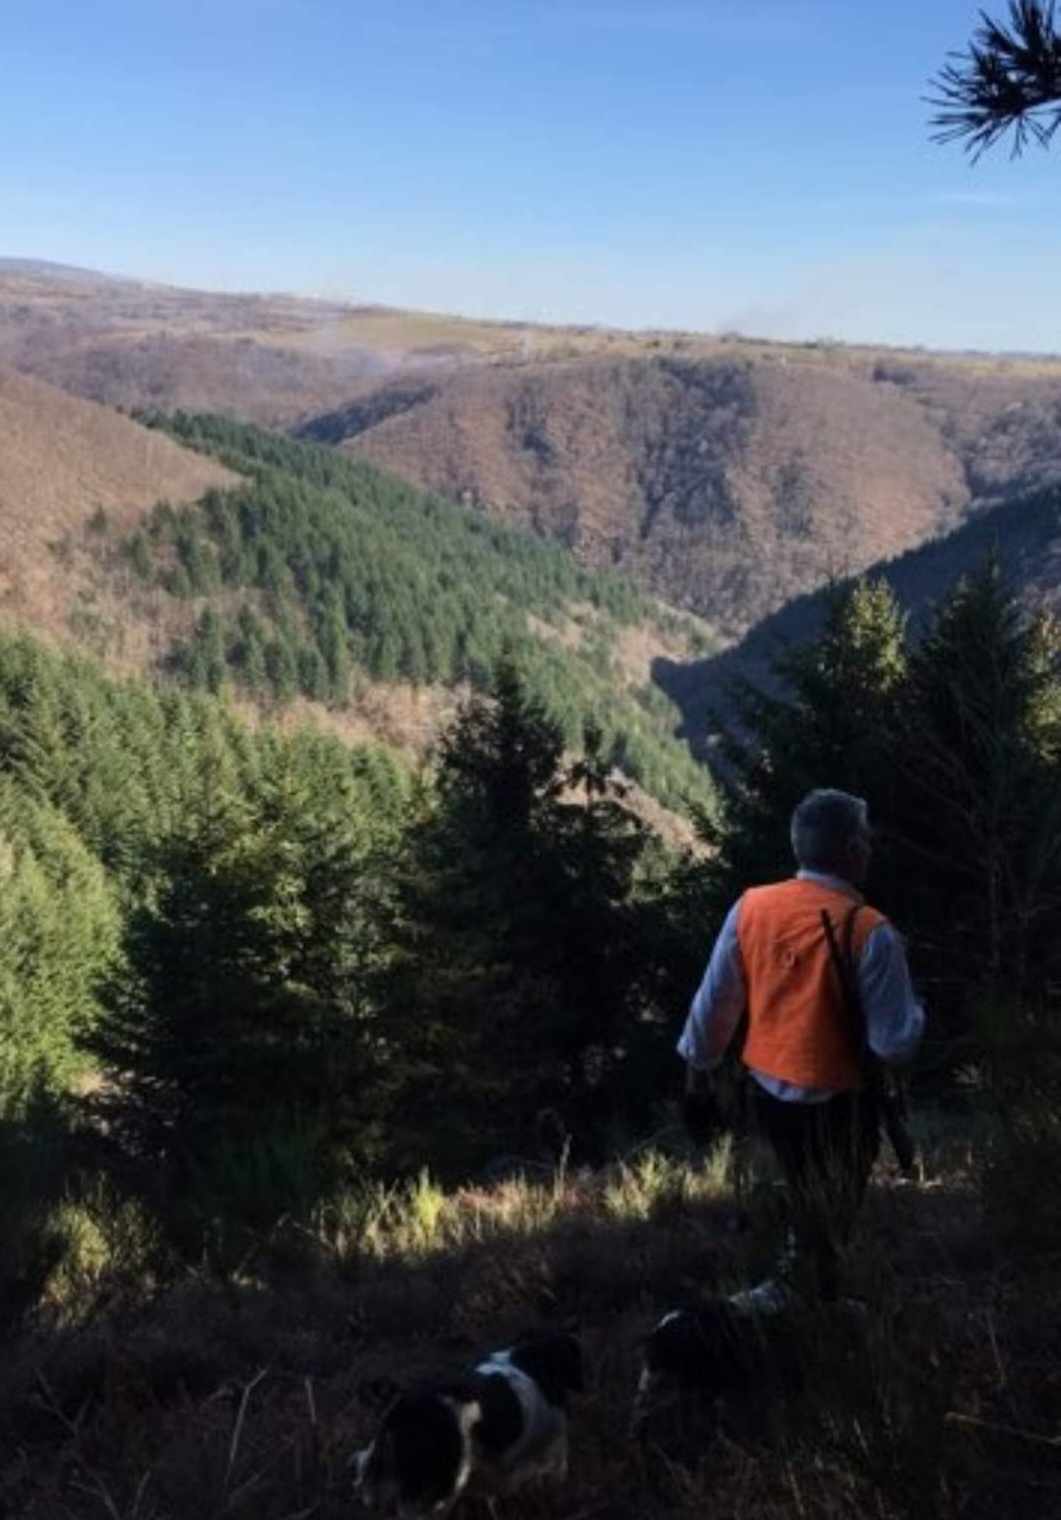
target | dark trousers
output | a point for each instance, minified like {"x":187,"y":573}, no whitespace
{"x":826,"y":1152}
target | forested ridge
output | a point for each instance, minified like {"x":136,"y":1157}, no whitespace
{"x":323,"y":571}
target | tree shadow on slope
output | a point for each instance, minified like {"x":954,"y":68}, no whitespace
{"x":212,"y":1397}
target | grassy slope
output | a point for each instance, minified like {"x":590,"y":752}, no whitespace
{"x":207,"y":1398}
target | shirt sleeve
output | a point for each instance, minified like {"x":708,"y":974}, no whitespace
{"x":895,"y":1020}
{"x":719,"y":1002}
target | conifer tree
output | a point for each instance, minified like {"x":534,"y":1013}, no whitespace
{"x":977,"y":808}
{"x":516,"y":931}
{"x":829,"y":721}
{"x":1009,"y":79}
{"x":59,"y":934}
{"x":206,"y":661}
{"x":603,"y":954}
{"x":242,"y":1010}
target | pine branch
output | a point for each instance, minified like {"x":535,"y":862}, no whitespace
{"x":1010,"y":78}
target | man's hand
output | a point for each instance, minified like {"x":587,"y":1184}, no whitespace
{"x":700,"y":1110}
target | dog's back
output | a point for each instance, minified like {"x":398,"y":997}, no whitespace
{"x":538,"y":1374}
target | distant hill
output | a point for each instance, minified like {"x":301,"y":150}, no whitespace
{"x":267,"y":358}
{"x":63,"y":464}
{"x":724,"y":476}
{"x":729,"y":484}
{"x":1024,"y":535}
{"x":133,"y":345}
{"x":46,"y":269}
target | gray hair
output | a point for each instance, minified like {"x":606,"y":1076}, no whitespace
{"x":823,"y":826}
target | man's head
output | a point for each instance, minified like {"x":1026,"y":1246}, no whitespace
{"x":830,"y":833}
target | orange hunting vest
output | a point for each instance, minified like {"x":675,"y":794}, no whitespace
{"x":798,"y":1027}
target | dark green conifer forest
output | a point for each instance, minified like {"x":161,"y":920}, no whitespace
{"x":223,"y":943}
{"x":334,"y":572}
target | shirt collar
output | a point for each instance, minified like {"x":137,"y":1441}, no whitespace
{"x":834,"y":883}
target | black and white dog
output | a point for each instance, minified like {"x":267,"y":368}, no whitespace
{"x":714,"y":1356}
{"x":488,"y":1430}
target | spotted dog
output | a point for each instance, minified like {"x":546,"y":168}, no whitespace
{"x":711,"y":1359}
{"x":488,"y":1430}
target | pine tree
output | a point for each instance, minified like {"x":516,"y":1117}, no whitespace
{"x":977,"y":805}
{"x":1009,"y":80}
{"x":600,"y":954}
{"x":281,"y":667}
{"x":206,"y":662}
{"x":518,"y":941}
{"x":242,"y":1011}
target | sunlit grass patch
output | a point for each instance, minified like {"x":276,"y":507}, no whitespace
{"x":654,"y":1183}
{"x":98,"y":1244}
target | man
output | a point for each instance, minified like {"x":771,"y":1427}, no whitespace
{"x":772,"y":963}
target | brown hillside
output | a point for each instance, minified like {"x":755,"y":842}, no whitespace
{"x":244,"y":377}
{"x":727,"y":474}
{"x":62,"y":460}
{"x":1003,"y":421}
{"x":725,"y":485}
{"x":265,"y":358}
{"x":269,"y":358}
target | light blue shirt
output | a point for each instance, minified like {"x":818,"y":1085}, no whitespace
{"x":895,"y":1020}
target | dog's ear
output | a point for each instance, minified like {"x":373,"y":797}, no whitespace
{"x":378,"y":1394}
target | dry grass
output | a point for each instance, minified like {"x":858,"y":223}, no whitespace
{"x":238,"y":1397}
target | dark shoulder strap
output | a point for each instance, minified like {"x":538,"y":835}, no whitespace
{"x":847,"y":974}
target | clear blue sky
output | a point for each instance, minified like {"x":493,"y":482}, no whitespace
{"x":752,"y":164}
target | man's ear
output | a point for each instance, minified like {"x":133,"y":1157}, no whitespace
{"x":378,"y":1393}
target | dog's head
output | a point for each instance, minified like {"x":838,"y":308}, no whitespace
{"x":553,"y":1360}
{"x":702,"y":1351}
{"x":503,"y":1421}
{"x":419,"y":1461}
{"x":716,"y":1356}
